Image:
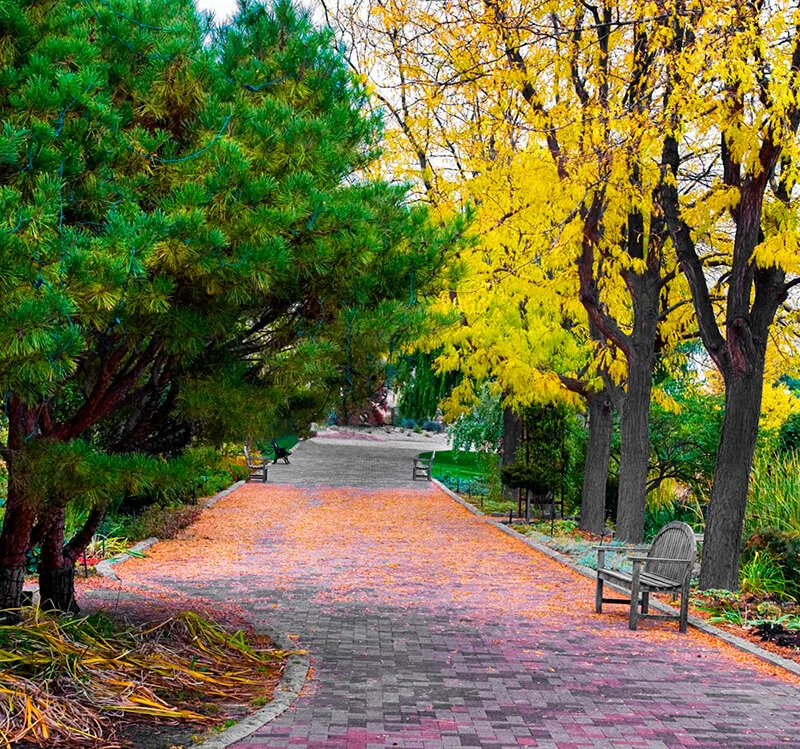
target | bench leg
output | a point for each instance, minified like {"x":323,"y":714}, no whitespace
{"x":598,"y":597}
{"x":645,"y":603}
{"x":634,"y":614}
{"x":682,"y":624}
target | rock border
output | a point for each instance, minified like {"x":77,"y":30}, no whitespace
{"x":221,"y":495}
{"x":295,"y":671}
{"x":700,"y":624}
{"x":105,"y":568}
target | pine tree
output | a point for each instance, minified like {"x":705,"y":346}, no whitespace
{"x":189,"y":238}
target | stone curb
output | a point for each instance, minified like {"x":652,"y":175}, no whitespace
{"x":287,"y":690}
{"x":737,"y":642}
{"x":221,"y":495}
{"x":294,"y":675}
{"x":105,"y":568}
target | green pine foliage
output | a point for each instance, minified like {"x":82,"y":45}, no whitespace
{"x":189,"y":248}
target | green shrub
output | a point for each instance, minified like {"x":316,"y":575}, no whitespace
{"x":762,"y":575}
{"x":789,"y":437}
{"x":200,"y":472}
{"x":536,"y":478}
{"x":558,"y":527}
{"x":161,"y":522}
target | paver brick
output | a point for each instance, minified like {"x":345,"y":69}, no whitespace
{"x":429,"y":629}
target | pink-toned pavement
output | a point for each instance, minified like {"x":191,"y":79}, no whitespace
{"x":429,"y":628}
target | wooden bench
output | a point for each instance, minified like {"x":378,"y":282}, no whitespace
{"x":280,"y":453}
{"x":257,"y":466}
{"x":666,"y":567}
{"x":423,"y":467}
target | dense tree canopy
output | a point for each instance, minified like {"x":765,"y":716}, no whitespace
{"x":633,"y":170}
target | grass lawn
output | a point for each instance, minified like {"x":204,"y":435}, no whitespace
{"x":287,"y":441}
{"x":451,"y":464}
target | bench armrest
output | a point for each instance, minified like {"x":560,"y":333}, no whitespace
{"x":601,"y":552}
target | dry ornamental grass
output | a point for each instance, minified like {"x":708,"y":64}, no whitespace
{"x":69,"y":683}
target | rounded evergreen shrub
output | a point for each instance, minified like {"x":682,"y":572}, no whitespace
{"x":789,"y":437}
{"x":432,"y":426}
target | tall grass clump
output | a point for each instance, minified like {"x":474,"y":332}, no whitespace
{"x":761,"y":575}
{"x":668,"y":502}
{"x":774,"y":500}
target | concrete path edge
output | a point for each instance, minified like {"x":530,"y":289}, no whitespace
{"x":700,"y":624}
{"x":295,"y":671}
{"x":287,"y":690}
{"x":105,"y":568}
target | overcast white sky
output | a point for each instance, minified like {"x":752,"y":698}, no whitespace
{"x":220,"y":8}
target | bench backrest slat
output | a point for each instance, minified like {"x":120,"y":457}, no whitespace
{"x":675,"y":541}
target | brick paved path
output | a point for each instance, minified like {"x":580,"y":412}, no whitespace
{"x":429,"y":628}
{"x":354,"y":463}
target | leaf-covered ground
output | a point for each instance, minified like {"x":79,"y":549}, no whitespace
{"x":428,"y":627}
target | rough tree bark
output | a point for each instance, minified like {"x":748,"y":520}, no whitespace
{"x":56,"y":573}
{"x":638,"y":347}
{"x":57,"y":562}
{"x":512,"y":434}
{"x":634,"y":425}
{"x":595,"y":469}
{"x":720,"y":569}
{"x":14,"y":546}
{"x":20,"y":517}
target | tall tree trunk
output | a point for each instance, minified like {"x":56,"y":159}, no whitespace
{"x":638,"y":346}
{"x":15,"y":540}
{"x":512,"y":433}
{"x":56,"y":571}
{"x":634,"y":433}
{"x":723,"y":536}
{"x":595,"y":469}
{"x":57,"y":563}
{"x":634,"y":423}
{"x":14,"y":547}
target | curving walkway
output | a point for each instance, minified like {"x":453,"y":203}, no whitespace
{"x":428,"y":628}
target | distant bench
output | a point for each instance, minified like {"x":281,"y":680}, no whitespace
{"x":256,"y":465}
{"x":423,"y":467}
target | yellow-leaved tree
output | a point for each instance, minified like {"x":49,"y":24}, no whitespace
{"x":542,"y":115}
{"x":730,"y":170}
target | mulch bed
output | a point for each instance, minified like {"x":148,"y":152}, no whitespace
{"x":776,"y":639}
